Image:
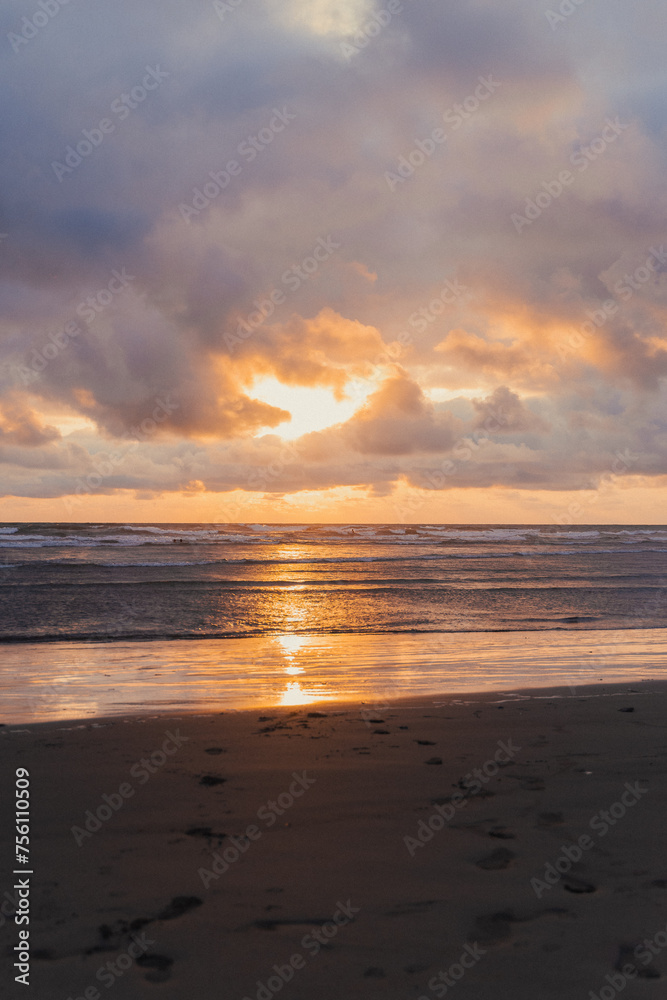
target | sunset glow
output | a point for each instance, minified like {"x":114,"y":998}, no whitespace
{"x":374,"y":269}
{"x":311,"y":409}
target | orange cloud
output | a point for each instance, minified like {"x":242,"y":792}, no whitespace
{"x":399,"y":420}
{"x":494,"y":358}
{"x":324,"y":351}
{"x":21,"y":426}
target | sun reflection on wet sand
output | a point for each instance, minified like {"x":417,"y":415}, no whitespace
{"x":44,"y":681}
{"x":291,"y":644}
{"x":294,"y":694}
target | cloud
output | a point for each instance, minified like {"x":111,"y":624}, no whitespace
{"x":20,"y":426}
{"x":398,"y":420}
{"x":571,"y":348}
{"x":490,"y":359}
{"x":504,"y":413}
{"x":327,"y":350}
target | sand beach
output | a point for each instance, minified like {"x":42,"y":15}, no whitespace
{"x":476,"y":846}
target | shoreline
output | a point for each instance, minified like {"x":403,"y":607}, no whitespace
{"x":106,"y":638}
{"x":69,"y":680}
{"x":432,"y":699}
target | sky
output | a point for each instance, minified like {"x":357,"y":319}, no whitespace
{"x":333,"y":260}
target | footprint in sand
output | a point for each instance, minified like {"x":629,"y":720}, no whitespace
{"x":497,"y":860}
{"x":626,"y":955}
{"x":214,"y":751}
{"x":496,"y":928}
{"x":159,"y":966}
{"x":207,"y":832}
{"x":573,"y":884}
{"x":411,"y":908}
{"x":211,"y":780}
{"x":529,"y":782}
{"x":178,"y":906}
{"x":113,"y":934}
{"x":502,"y":833}
{"x":548,"y":819}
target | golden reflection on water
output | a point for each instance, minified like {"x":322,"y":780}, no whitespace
{"x":295,"y":695}
{"x":290,"y":646}
{"x":71,"y":680}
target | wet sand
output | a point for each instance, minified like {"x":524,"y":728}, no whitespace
{"x":44,"y":681}
{"x":333,"y":851}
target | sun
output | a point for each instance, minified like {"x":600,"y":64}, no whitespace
{"x":311,"y":409}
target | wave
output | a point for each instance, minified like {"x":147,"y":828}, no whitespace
{"x":538,"y":625}
{"x":449,"y":557}
{"x":488,"y":538}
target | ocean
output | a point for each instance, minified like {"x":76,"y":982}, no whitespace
{"x":138,"y":595}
